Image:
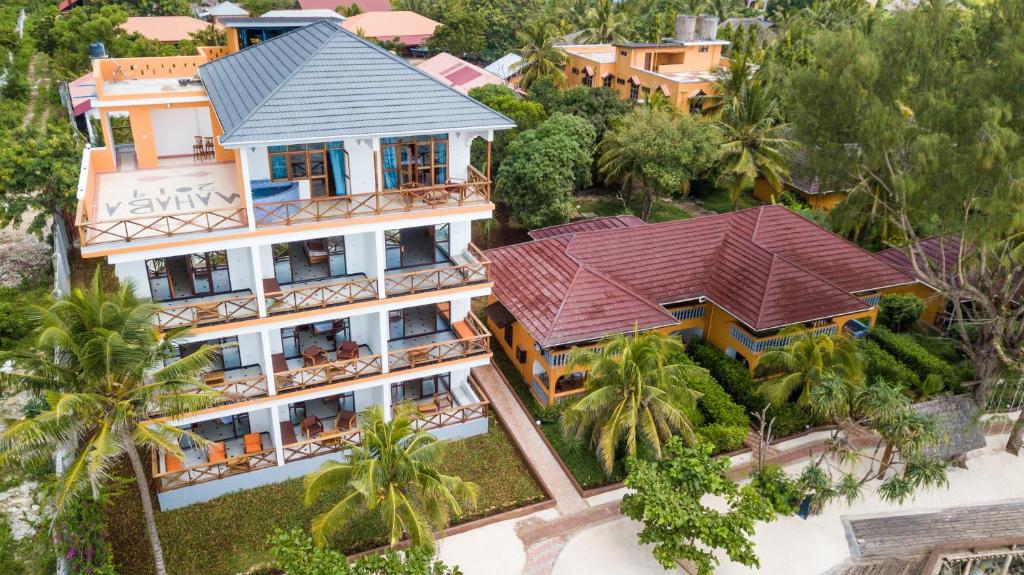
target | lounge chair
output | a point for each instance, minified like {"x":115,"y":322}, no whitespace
{"x":288,"y":433}
{"x":216,"y":452}
{"x":253,"y":443}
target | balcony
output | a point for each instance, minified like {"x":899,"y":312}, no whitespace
{"x":464,"y":339}
{"x":179,"y":197}
{"x":470,"y":267}
{"x":476,"y":190}
{"x":207,"y":310}
{"x":757,"y":344}
{"x":318,"y":294}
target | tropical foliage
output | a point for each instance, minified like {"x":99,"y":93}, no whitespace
{"x":394,"y":476}
{"x":808,"y":358}
{"x":91,"y":361}
{"x":295,"y":554}
{"x":669,"y":497}
{"x":540,"y":57}
{"x":636,"y":397}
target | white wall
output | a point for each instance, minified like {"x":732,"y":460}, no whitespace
{"x":259,"y":421}
{"x":240,"y":269}
{"x":250,"y":349}
{"x":361,"y":165}
{"x":259,"y":166}
{"x":460,"y":308}
{"x":175,"y":129}
{"x":135,"y":271}
{"x":367,"y":398}
{"x":360,"y":254}
{"x":274,"y":335}
{"x":459,"y":144}
{"x":363,"y":330}
{"x":266,"y":255}
{"x":459,"y":235}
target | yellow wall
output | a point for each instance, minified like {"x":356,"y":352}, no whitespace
{"x":763,"y":191}
{"x":716,"y":325}
{"x":934,"y":302}
{"x":630,"y":62}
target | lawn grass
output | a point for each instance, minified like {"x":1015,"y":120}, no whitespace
{"x":717,"y":200}
{"x":661,"y":211}
{"x":228,"y":535}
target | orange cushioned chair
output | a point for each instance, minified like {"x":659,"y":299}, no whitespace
{"x":216,"y":452}
{"x":462,"y":330}
{"x":253,"y":443}
{"x":172,"y":463}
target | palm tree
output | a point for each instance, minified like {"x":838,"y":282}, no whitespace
{"x":541,"y":59}
{"x":635,"y":392}
{"x":754,"y":141}
{"x":603,"y":24}
{"x":94,"y":361}
{"x":807,"y":359}
{"x":393,"y":474}
{"x":723,"y":9}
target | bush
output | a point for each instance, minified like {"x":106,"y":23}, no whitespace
{"x":726,"y":423}
{"x":295,"y":554}
{"x":915,"y":357}
{"x":881,"y":364}
{"x":735,"y":379}
{"x":779,"y":489}
{"x":899,"y":311}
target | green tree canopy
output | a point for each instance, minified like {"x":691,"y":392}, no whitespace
{"x":657,"y":153}
{"x":668,"y":499}
{"x":39,"y":174}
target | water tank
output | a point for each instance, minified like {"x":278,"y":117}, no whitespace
{"x":707,"y":27}
{"x":97,"y":50}
{"x":686,"y":27}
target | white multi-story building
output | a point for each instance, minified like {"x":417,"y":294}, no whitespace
{"x":306,"y":203}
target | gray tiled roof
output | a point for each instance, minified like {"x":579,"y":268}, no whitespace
{"x":323,"y":82}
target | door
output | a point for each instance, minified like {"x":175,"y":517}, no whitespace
{"x":160,"y":287}
{"x":336,"y":256}
{"x":290,"y":342}
{"x":208,"y":272}
{"x":282,"y":263}
{"x":396,"y":324}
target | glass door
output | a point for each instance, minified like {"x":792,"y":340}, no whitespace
{"x":160,"y":287}
{"x":396,"y":324}
{"x":282,"y":263}
{"x":336,"y":256}
{"x":290,"y":342}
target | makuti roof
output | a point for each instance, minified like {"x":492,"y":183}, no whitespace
{"x":767,"y":266}
{"x":322,"y":82}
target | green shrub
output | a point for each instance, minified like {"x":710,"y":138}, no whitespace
{"x":899,"y":311}
{"x":723,"y":422}
{"x":911,"y":354}
{"x":781,"y":490}
{"x":881,"y":364}
{"x":295,"y":554}
{"x":735,"y":379}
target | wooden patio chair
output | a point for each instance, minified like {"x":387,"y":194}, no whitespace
{"x":216,"y":452}
{"x":197,"y":149}
{"x":345,"y":420}
{"x":312,"y":426}
{"x":209,"y":151}
{"x":253,"y":442}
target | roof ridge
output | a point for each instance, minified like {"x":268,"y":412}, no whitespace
{"x":284,"y":80}
{"x":561,"y":305}
{"x":767,"y":284}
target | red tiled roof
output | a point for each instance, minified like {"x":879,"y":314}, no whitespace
{"x":941,"y":251}
{"x":608,"y":223}
{"x":364,"y":5}
{"x":766,"y":266}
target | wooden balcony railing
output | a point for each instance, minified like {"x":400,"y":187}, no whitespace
{"x":329,"y":442}
{"x":453,"y":415}
{"x":324,"y":373}
{"x":242,"y":388}
{"x":443,"y":350}
{"x":477,"y":269}
{"x":203,"y":312}
{"x":126,"y":230}
{"x":205,"y":472}
{"x":321,"y":296}
{"x":475,"y":190}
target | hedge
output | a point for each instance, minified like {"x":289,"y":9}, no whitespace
{"x":727,"y":423}
{"x":915,"y":357}
{"x":735,"y":379}
{"x":881,"y":364}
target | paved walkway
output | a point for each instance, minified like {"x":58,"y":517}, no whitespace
{"x":504,"y":401}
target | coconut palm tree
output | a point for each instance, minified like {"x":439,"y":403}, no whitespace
{"x":541,"y":59}
{"x":636,"y":392}
{"x":603,"y":24}
{"x":96,"y":361}
{"x":393,"y":475}
{"x":805,"y":361}
{"x":754,"y":141}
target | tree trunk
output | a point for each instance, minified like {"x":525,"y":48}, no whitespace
{"x":1016,"y":435}
{"x":147,"y":505}
{"x":883,"y":466}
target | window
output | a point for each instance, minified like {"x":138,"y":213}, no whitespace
{"x":634,"y":91}
{"x":703,"y":49}
{"x":645,"y":90}
{"x":607,"y":82}
{"x":509,"y":335}
{"x":420,"y":388}
{"x":648,"y":61}
{"x":417,"y":161}
{"x":575,"y":70}
{"x":520,"y":354}
{"x":325,"y":165}
{"x":623,"y":53}
{"x":588,"y":80}
{"x":620,"y":82}
{"x":697,"y":103}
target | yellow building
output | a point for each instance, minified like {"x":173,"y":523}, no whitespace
{"x":805,"y":183}
{"x":734,"y":280}
{"x":681,"y":68}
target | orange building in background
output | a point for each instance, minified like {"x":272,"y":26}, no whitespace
{"x":682,"y":68}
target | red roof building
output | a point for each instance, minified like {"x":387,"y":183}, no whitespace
{"x":750,"y":273}
{"x":364,"y":5}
